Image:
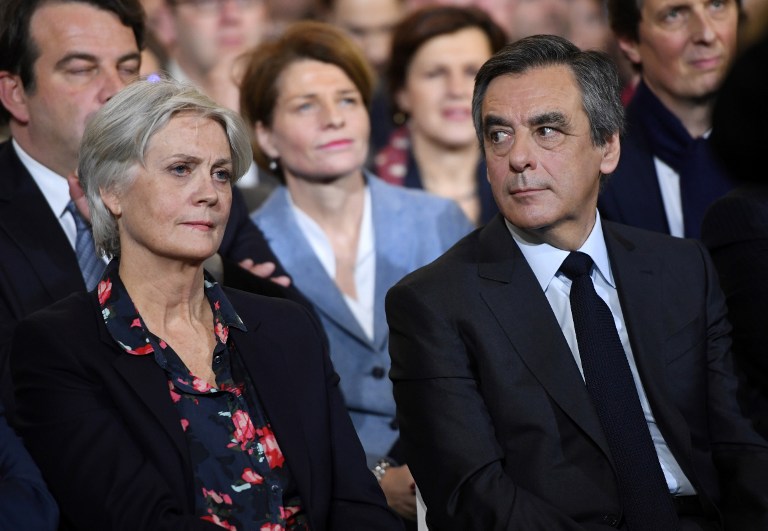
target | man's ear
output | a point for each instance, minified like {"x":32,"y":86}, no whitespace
{"x":265,"y":139}
{"x":13,"y":96}
{"x":611,"y":151}
{"x":630,"y":49}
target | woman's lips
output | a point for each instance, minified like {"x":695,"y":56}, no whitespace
{"x":337,"y":144}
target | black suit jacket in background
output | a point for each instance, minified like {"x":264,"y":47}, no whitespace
{"x":497,"y":425}
{"x":102,"y":427}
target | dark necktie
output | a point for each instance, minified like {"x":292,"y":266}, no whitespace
{"x":643,"y":490}
{"x":91,"y":266}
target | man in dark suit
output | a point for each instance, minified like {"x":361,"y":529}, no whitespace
{"x":59,"y":63}
{"x":507,"y":420}
{"x":667,"y":177}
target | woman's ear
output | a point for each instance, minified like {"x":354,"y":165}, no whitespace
{"x":112,"y":202}
{"x":265,"y":139}
{"x":403,"y":101}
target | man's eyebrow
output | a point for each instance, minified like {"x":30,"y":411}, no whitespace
{"x":493,"y":120}
{"x":555,"y":118}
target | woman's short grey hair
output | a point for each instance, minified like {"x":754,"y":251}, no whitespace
{"x":116,"y":138}
{"x":595,"y":74}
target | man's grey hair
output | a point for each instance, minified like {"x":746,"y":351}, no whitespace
{"x":594,"y":72}
{"x":116,"y":138}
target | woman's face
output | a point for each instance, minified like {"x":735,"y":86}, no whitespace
{"x":438,"y":87}
{"x":178,"y":204}
{"x":320,"y":125}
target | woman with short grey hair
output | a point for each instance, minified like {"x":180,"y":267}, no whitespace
{"x":174,"y":403}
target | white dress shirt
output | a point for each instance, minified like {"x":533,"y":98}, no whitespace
{"x":545,"y":261}
{"x":365,"y":264}
{"x":55,"y":190}
{"x":669,"y":185}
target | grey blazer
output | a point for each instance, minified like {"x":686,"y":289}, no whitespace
{"x":411,"y":228}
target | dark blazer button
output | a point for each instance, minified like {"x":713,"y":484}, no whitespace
{"x":611,"y":520}
{"x":394,"y":425}
{"x":378,"y":373}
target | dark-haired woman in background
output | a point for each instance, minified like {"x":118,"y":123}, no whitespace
{"x":436,"y":52}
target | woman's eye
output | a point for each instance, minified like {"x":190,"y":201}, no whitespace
{"x":222,"y":175}
{"x":180,"y":169}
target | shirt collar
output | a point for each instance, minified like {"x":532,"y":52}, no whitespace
{"x":545,"y":260}
{"x":128,"y":329}
{"x":53,"y":186}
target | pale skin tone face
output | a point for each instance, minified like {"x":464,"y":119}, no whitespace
{"x":370,"y":24}
{"x":589,"y":29}
{"x":543,"y":168}
{"x":685,"y":48}
{"x":438,"y":88}
{"x":205,"y":40}
{"x":532,"y":17}
{"x":86,"y":56}
{"x":174,"y":213}
{"x":321,"y":126}
{"x":170,"y":219}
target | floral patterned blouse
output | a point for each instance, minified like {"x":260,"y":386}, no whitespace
{"x":241,"y":478}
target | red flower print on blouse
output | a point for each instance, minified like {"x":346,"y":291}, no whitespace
{"x":184,"y":424}
{"x":141,"y":351}
{"x":174,"y":395}
{"x":217,"y":497}
{"x":244,"y":430}
{"x":200,"y":385}
{"x":249,"y":476}
{"x":286,"y":513}
{"x":271,"y":527}
{"x":275,"y":457}
{"x":104,"y":291}
{"x":222,"y":332}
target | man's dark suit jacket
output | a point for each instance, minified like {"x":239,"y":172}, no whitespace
{"x":38,"y":265}
{"x":495,"y":419}
{"x":106,"y":435}
{"x":631,"y":194}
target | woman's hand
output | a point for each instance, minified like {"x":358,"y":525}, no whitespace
{"x":265,"y":270}
{"x":400,"y":489}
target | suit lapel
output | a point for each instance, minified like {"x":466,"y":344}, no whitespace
{"x":640,"y":284}
{"x":299,"y":259}
{"x":27,"y":219}
{"x":512,"y":293}
{"x":393,"y":244}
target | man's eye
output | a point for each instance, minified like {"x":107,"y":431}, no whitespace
{"x":672,"y":14}
{"x":498,"y":137}
{"x":81,"y":70}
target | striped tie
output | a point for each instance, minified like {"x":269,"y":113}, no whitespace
{"x":91,"y":266}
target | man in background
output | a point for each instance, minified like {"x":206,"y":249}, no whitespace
{"x":667,"y":177}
